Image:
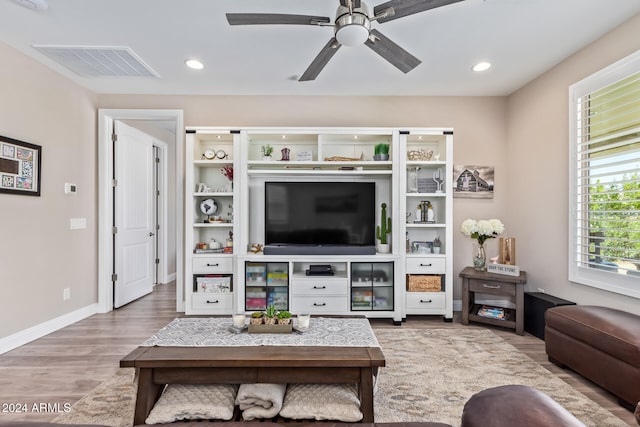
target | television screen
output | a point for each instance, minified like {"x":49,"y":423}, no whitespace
{"x":320,"y":214}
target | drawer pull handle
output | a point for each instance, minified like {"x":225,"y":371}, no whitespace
{"x":426,"y":265}
{"x":213,"y":302}
{"x":484,"y":285}
{"x":322,"y":304}
{"x":213,"y":265}
{"x":319,"y":287}
{"x":426,"y":300}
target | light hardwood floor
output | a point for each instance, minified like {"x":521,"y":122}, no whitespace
{"x":64,"y":366}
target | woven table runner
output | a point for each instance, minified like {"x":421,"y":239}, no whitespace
{"x":214,"y":332}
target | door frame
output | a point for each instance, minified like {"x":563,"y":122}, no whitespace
{"x":162,"y":214}
{"x":106,"y":118}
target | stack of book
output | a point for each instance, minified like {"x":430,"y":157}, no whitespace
{"x":490,"y":312}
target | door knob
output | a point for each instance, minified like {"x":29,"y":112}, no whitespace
{"x":151,"y":234}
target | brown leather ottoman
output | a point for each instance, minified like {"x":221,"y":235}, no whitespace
{"x":515,"y":405}
{"x":602,"y":344}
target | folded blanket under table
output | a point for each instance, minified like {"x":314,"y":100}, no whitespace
{"x":260,"y":400}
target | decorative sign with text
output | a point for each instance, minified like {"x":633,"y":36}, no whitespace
{"x":509,"y":270}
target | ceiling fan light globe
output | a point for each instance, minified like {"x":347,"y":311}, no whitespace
{"x":352,"y":35}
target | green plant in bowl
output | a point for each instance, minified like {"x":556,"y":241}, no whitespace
{"x":284,"y":317}
{"x":256,"y":318}
{"x":270,"y":315}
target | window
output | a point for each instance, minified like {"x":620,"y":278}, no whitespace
{"x":604,"y":203}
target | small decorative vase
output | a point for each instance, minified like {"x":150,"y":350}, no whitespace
{"x":269,"y":320}
{"x":284,"y":321}
{"x":479,"y":257}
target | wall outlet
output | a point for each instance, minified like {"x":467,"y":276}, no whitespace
{"x":66,"y":294}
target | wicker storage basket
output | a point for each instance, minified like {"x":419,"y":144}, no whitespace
{"x":424,"y":283}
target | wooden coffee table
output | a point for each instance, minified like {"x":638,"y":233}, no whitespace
{"x":158,"y":366}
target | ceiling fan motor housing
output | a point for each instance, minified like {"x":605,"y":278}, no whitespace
{"x":352,"y":29}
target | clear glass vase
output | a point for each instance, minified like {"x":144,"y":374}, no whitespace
{"x":412,"y":180}
{"x":479,"y":257}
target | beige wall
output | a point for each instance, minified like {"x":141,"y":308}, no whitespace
{"x":523,"y":136}
{"x":39,"y":255}
{"x":538,"y":153}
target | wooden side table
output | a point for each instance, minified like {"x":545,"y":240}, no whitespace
{"x":493,"y":284}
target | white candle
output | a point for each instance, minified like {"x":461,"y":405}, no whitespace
{"x":238,"y":320}
{"x":303,"y":320}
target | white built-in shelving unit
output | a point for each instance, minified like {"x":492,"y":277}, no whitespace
{"x":318,"y":154}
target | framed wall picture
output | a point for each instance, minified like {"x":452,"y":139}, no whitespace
{"x":474,"y":182}
{"x":19,"y":167}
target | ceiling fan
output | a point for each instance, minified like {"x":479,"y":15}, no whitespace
{"x":352,"y":27}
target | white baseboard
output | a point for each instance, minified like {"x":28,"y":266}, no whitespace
{"x":38,"y":331}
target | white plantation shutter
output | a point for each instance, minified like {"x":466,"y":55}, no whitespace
{"x":604,"y":205}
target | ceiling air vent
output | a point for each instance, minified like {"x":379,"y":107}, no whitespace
{"x":98,"y":61}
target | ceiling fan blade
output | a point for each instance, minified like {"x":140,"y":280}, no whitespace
{"x":397,"y":56}
{"x":404,"y":8}
{"x":321,"y":60}
{"x":345,"y":3}
{"x":274,"y":19}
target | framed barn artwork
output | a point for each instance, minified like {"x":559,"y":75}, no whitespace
{"x":19,"y":167}
{"x":475,"y":182}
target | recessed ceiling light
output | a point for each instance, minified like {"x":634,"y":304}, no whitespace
{"x":481,"y":66}
{"x":194,"y":63}
{"x":34,"y":4}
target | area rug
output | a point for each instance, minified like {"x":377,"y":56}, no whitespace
{"x":429,"y":375}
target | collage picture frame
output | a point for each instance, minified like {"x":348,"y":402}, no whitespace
{"x":20,"y":166}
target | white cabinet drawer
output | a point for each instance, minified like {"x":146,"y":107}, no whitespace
{"x":213,"y":265}
{"x":425,"y":300}
{"x":212,"y":302}
{"x":319,"y":304}
{"x":426,"y":265}
{"x":319,"y":287}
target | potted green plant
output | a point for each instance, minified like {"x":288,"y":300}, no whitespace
{"x":381,"y":151}
{"x":267,"y":150}
{"x":284,"y":317}
{"x":436,"y":245}
{"x":256,"y":318}
{"x":270,"y":315}
{"x":383,"y":229}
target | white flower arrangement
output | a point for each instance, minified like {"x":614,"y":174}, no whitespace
{"x":482,"y":230}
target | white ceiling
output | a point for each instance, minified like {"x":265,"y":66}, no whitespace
{"x":521,"y":38}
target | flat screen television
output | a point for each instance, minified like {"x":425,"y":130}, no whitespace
{"x":323,"y":218}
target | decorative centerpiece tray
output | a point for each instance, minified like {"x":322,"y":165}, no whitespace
{"x":270,"y":329}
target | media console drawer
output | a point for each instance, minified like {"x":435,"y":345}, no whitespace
{"x":214,"y":302}
{"x":338,"y":304}
{"x":425,"y":265}
{"x":320,"y":286}
{"x":212,"y":265}
{"x":426,"y":300}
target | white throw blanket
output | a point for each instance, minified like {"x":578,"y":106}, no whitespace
{"x":260,"y":400}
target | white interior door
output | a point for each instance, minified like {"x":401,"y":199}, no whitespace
{"x":134,"y":252}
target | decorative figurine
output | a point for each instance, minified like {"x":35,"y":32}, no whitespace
{"x":431,"y":215}
{"x":437,"y":177}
